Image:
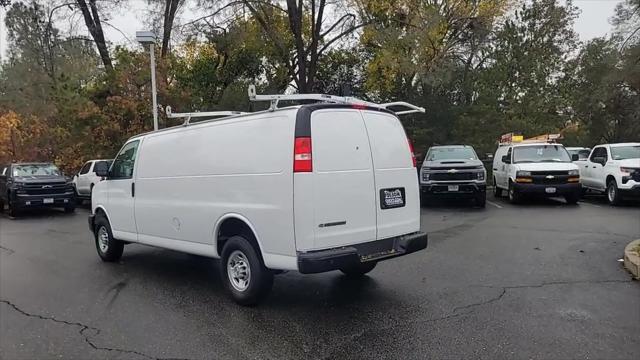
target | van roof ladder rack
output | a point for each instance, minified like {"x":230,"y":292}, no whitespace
{"x":190,"y":115}
{"x":274,"y":99}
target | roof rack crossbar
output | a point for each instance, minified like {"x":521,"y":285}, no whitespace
{"x":189,"y":115}
{"x":274,"y":99}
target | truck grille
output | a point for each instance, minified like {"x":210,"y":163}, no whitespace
{"x":45,"y":189}
{"x":456,"y":176}
{"x":550,"y":177}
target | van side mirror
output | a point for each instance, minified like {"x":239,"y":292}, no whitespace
{"x":575,"y":157}
{"x":505,"y":159}
{"x":101,"y":169}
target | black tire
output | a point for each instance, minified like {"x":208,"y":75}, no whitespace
{"x":424,"y":199}
{"x":1,"y":206}
{"x":239,"y":254}
{"x":481,"y":199}
{"x":359,"y":269}
{"x":497,"y":192}
{"x":514,"y":196}
{"x":11,"y":209}
{"x":613,"y":194}
{"x":572,"y":199}
{"x":113,"y":248}
{"x":69,"y":209}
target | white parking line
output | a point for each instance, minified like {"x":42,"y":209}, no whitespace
{"x":494,"y":204}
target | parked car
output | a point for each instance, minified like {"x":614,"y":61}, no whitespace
{"x":537,"y":169}
{"x":582,"y":152}
{"x":309,"y":188}
{"x":34,"y":185}
{"x":453,"y":171}
{"x":613,"y":169}
{"x":87,"y":178}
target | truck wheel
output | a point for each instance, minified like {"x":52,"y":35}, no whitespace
{"x":497,"y":192}
{"x":243,"y":273}
{"x":572,"y":199}
{"x":359,"y":269}
{"x":613,"y":194}
{"x":514,"y":196}
{"x":11,"y":209}
{"x":481,"y":199}
{"x":109,"y":249}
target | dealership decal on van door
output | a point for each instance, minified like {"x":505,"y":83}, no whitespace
{"x":392,"y":198}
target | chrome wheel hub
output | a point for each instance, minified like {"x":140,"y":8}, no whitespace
{"x":611,"y":193}
{"x":103,"y":239}
{"x":238,"y":270}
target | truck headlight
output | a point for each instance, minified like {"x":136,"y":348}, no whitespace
{"x":626,"y":171}
{"x":574,"y":172}
{"x":426,"y":176}
{"x":481,"y":175}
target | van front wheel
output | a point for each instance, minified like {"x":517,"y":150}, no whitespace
{"x":243,"y":273}
{"x":359,"y":269}
{"x":109,"y":249}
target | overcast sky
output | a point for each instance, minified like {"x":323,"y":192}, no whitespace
{"x":593,"y":21}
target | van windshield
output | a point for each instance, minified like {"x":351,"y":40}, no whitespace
{"x":540,"y":153}
{"x":451,"y":153}
{"x":36,"y":170}
{"x":625,"y":152}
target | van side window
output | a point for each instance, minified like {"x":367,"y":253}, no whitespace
{"x":85,"y":168}
{"x":122,"y":167}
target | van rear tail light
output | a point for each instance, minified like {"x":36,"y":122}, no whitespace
{"x":302,"y":155}
{"x":413,"y":154}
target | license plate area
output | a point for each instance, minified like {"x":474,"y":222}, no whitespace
{"x":392,"y":198}
{"x":453,"y":188}
{"x":550,"y":190}
{"x":47,"y":201}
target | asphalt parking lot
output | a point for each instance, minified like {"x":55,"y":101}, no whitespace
{"x":534,"y":281}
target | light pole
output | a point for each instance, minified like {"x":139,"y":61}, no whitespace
{"x":148,"y":38}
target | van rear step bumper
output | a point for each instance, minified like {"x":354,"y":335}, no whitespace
{"x":337,"y":258}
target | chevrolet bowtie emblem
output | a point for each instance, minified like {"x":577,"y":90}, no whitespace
{"x":47,"y":186}
{"x":452,"y":171}
{"x":550,"y":176}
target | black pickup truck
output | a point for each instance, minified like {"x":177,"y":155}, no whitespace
{"x":34,"y":185}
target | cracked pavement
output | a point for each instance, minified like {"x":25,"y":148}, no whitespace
{"x":537,"y":281}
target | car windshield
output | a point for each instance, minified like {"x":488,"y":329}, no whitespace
{"x":36,"y":170}
{"x":583,"y":154}
{"x":625,"y":152}
{"x":451,"y":153}
{"x":541,"y":153}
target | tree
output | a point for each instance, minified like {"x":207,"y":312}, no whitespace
{"x":94,"y":25}
{"x":170,"y":9}
{"x":308,"y":38}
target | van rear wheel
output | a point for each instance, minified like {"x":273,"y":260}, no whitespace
{"x":497,"y":192}
{"x":243,"y":273}
{"x":359,"y":269}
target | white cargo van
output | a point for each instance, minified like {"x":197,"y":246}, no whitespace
{"x":535,"y":168}
{"x":312,"y":188}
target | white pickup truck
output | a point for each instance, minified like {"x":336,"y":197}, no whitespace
{"x":613,"y":169}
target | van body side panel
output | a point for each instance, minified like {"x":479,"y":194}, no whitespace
{"x":394,"y":171}
{"x":343,"y":188}
{"x":189,"y":177}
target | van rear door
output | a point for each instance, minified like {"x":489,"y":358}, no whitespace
{"x":397,"y":202}
{"x":343,"y":181}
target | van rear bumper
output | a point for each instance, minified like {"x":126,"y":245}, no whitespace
{"x":337,"y":258}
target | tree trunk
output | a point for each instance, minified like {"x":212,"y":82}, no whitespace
{"x":170,"y":8}
{"x":92,"y":20}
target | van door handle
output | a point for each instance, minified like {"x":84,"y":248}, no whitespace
{"x":133,"y":189}
{"x":594,"y":167}
{"x":586,"y":166}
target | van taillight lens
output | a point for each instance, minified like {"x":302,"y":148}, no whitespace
{"x":413,"y":154}
{"x":302,"y":155}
